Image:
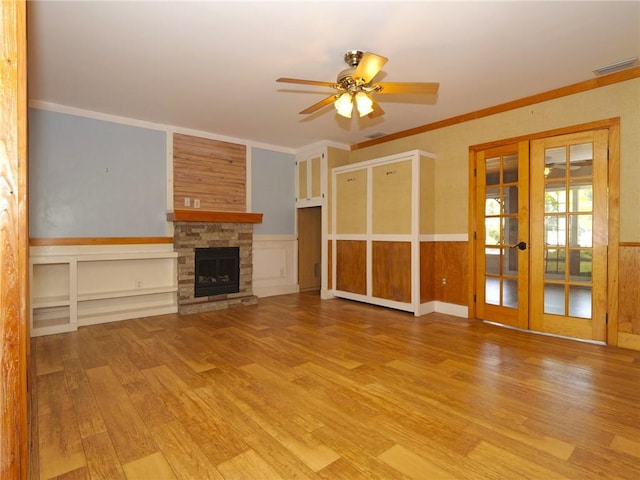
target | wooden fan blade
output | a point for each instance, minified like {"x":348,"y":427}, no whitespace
{"x":307,"y":82}
{"x":319,"y":105}
{"x":377,"y":110}
{"x":369,"y":66}
{"x":407,"y":87}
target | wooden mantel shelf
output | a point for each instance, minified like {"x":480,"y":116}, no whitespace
{"x":213,"y":217}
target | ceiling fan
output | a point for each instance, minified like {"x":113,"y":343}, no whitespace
{"x":355,"y":85}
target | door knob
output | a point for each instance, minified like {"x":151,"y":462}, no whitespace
{"x":520,"y":245}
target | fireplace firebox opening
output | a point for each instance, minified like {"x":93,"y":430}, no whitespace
{"x":217,"y":271}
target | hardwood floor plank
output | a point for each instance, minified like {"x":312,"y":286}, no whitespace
{"x":279,"y":457}
{"x":544,"y":443}
{"x":151,"y":409}
{"x":59,"y":443}
{"x":626,"y":445}
{"x":49,"y":354}
{"x":412,"y":465}
{"x":81,"y":473}
{"x":130,"y":436}
{"x":342,"y":469}
{"x":301,"y":444}
{"x":509,"y":465}
{"x":124,"y":369}
{"x":186,"y":406}
{"x":523,"y":449}
{"x":143,"y":353}
{"x":183,"y":453}
{"x":153,"y":466}
{"x":60,"y":447}
{"x":614,"y":463}
{"x":89,"y":418}
{"x":102,"y":461}
{"x":302,"y":388}
{"x":96,"y":345}
{"x":248,"y":466}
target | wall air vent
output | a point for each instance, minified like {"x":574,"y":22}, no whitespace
{"x":616,"y":67}
{"x":376,"y":135}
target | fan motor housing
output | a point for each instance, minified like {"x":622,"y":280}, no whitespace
{"x":353,"y":57}
{"x":346,"y":75}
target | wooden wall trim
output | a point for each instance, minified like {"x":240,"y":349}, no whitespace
{"x":47,"y":242}
{"x":607,"y":123}
{"x":613,"y":234}
{"x":14,"y":251}
{"x":505,"y":107}
{"x":213,"y":217}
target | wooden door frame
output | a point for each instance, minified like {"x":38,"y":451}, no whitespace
{"x":613,"y":204}
{"x":14,"y":246}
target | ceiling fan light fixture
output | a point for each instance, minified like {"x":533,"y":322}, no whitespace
{"x":356,"y":86}
{"x":364,"y":104}
{"x":344,"y":105}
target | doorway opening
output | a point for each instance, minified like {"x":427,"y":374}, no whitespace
{"x":309,"y":248}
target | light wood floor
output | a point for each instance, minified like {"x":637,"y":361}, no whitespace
{"x":299,"y":388}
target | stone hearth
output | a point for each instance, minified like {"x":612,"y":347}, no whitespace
{"x":190,"y":235}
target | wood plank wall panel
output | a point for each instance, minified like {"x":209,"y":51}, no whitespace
{"x":14,"y":235}
{"x":629,"y":290}
{"x":351,"y":266}
{"x":451,"y":262}
{"x":212,"y":171}
{"x":391,"y":270}
{"x":330,"y":265}
{"x":427,"y":271}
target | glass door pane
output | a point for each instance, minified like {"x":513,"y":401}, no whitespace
{"x":568,"y":176}
{"x":501,"y":230}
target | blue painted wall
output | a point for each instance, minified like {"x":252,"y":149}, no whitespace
{"x":92,"y":178}
{"x":273,"y":191}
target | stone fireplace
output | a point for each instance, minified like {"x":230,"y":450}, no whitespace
{"x":203,"y":230}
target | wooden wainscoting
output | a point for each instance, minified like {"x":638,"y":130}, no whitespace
{"x":329,"y":265}
{"x":391,"y":270}
{"x":629,"y":296}
{"x":427,"y":272}
{"x":351,"y":265}
{"x":451,"y":263}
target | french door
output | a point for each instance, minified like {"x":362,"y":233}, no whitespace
{"x":541,"y":234}
{"x":502,"y":234}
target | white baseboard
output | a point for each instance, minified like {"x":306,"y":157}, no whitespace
{"x":271,"y":291}
{"x":327,"y":294}
{"x":116,"y":316}
{"x":425,"y":308}
{"x":451,"y":309}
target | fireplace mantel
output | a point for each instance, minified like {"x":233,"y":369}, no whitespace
{"x":213,"y":217}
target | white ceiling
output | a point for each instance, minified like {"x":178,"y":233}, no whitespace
{"x":212,"y":66}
